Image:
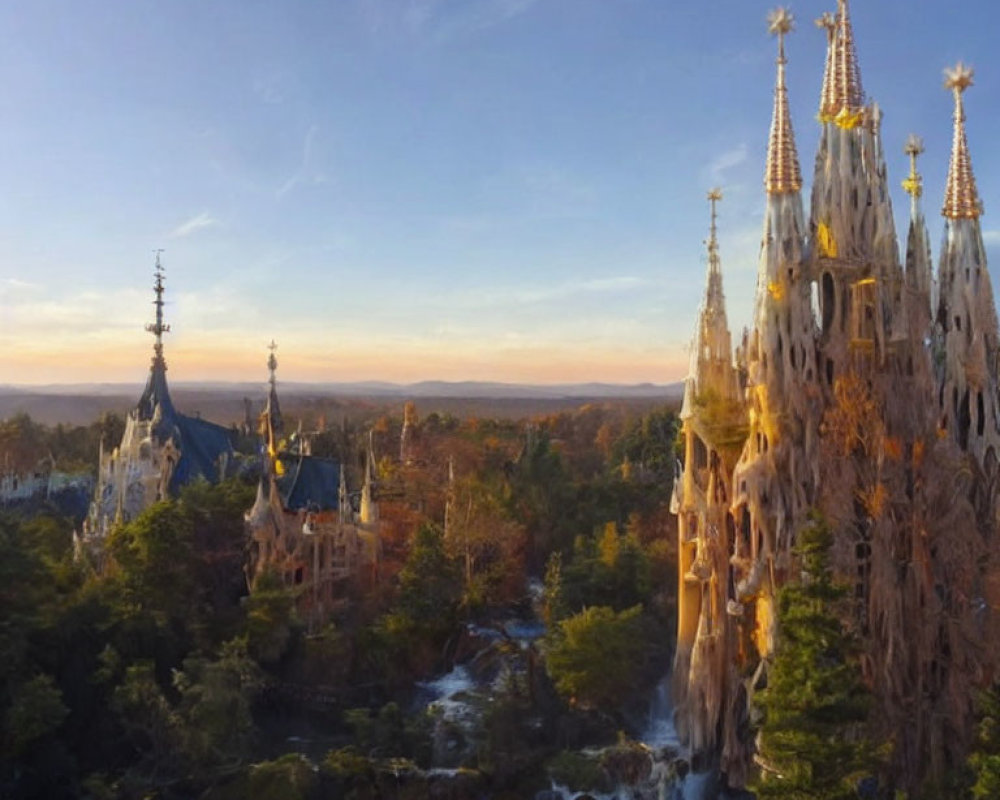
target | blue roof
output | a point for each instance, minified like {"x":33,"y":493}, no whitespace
{"x":201,"y":443}
{"x":309,"y":482}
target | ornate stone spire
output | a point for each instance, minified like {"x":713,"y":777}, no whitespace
{"x":848,"y":98}
{"x":919,"y":274}
{"x":961,"y":200}
{"x":829,"y":23}
{"x":913,"y":184}
{"x":158,"y":328}
{"x":782,"y":175}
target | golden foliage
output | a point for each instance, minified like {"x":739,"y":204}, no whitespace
{"x":875,"y":499}
{"x":853,"y":424}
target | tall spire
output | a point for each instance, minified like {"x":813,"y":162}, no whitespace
{"x":714,"y":196}
{"x":848,"y":98}
{"x":961,"y":200}
{"x":826,"y":102}
{"x":914,"y":184}
{"x":271,"y":419}
{"x":919,"y":274}
{"x":272,"y":364}
{"x":782,"y":175}
{"x":158,"y":328}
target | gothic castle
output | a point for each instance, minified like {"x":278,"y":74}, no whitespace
{"x":865,"y":392}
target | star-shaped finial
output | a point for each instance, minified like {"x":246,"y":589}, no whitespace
{"x":780,"y":22}
{"x":958,"y":77}
{"x":715,"y":194}
{"x":914,"y":145}
{"x":827,"y":20}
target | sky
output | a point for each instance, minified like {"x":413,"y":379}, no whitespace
{"x":401,"y":190}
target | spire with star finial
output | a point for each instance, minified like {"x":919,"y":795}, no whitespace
{"x":848,"y":98}
{"x":961,"y":200}
{"x":829,"y":23}
{"x":782,"y":175}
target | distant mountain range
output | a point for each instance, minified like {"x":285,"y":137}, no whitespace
{"x":458,"y":389}
{"x":81,"y":403}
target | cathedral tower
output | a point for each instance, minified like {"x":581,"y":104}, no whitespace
{"x":712,"y":420}
{"x":966,"y":314}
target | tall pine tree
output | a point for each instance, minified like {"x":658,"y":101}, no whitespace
{"x":811,"y":743}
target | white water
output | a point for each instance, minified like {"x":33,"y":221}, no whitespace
{"x":660,"y":732}
{"x":444,"y":694}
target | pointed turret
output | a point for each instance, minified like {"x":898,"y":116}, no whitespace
{"x":712,"y":360}
{"x":919,"y":275}
{"x":966,"y":317}
{"x":272,"y":424}
{"x":961,"y":200}
{"x":155,"y":401}
{"x":827,"y":22}
{"x":783,"y":175}
{"x":847,"y":97}
{"x":344,"y":511}
{"x":369,"y":507}
{"x":780,"y":287}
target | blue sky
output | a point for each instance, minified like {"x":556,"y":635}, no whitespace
{"x":416,"y":189}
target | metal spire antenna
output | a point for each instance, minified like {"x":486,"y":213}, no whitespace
{"x":272,"y":363}
{"x":158,"y":328}
{"x":714,"y":196}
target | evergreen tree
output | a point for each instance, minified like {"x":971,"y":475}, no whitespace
{"x":985,"y":760}
{"x":812,"y":742}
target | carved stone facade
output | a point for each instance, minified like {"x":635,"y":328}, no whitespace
{"x":303,"y":526}
{"x":861,"y":406}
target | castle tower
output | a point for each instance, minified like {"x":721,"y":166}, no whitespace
{"x":854,"y":253}
{"x":711,"y":411}
{"x":272,"y":424}
{"x":160,"y":450}
{"x":966,"y":314}
{"x":774,"y":479}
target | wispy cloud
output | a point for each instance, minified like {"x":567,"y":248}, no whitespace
{"x":307,"y":172}
{"x":199,"y":223}
{"x":725,"y":161}
{"x":538,"y":294}
{"x":991,"y":237}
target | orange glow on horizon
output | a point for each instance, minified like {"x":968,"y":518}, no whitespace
{"x":406,"y":362}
